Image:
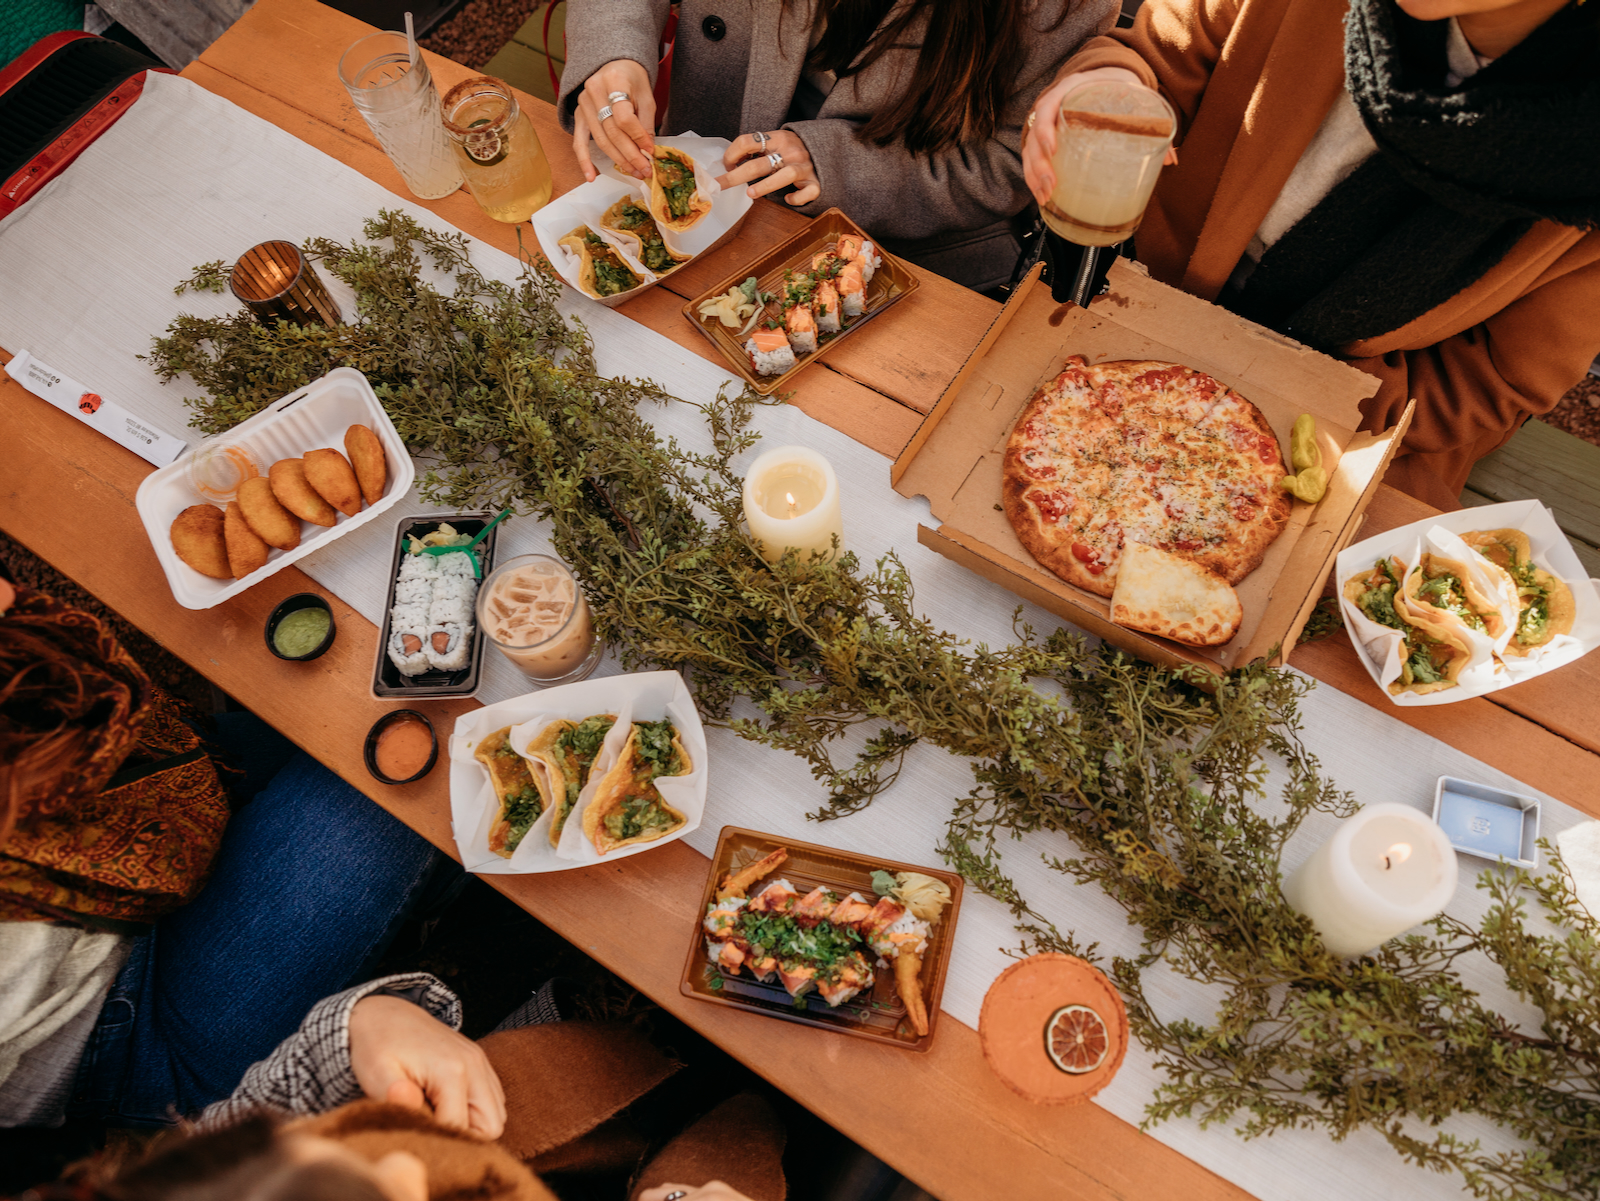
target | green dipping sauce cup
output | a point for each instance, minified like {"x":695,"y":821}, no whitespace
{"x":300,"y":628}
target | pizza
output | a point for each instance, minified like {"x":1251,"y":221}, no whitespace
{"x":1154,"y":453}
{"x":1159,"y":592}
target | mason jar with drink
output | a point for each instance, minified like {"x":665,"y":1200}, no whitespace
{"x":1111,"y":139}
{"x":498,"y":151}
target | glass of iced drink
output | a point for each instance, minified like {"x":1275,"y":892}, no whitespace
{"x":533,"y":610}
{"x":499,"y":152}
{"x":401,"y":106}
{"x":1110,"y":140}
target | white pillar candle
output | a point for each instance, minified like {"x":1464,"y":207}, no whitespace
{"x":791,"y":499}
{"x":1385,"y":870}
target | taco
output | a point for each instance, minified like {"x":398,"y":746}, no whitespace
{"x":601,"y":270}
{"x":1442,"y":594}
{"x":627,"y":807}
{"x":1546,"y":606}
{"x":1429,"y":661}
{"x":567,"y":750}
{"x":628,"y":217}
{"x":675,"y":199}
{"x":516,"y":786}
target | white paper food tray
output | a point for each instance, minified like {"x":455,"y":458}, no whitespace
{"x":584,"y":204}
{"x":643,"y":696}
{"x":1551,"y":551}
{"x":314,"y":416}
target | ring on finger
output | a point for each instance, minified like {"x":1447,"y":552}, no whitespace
{"x":675,"y":1195}
{"x":618,"y":98}
{"x":775,"y":159}
{"x":761,"y":140}
{"x":605,"y":113}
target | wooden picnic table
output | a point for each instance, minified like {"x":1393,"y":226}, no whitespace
{"x":952,"y":1126}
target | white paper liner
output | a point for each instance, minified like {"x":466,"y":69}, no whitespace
{"x":1377,"y":646}
{"x":584,"y":206}
{"x":642,"y":696}
{"x":728,"y":205}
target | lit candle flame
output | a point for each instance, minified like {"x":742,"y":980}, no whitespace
{"x":1399,"y":853}
{"x":789,"y":496}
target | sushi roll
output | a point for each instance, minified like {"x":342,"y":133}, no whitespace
{"x":802,"y":329}
{"x":450,"y":610}
{"x":452,"y":599}
{"x":413,"y":590}
{"x":769,"y":352}
{"x":459,"y":564}
{"x":868,"y":260}
{"x":448,"y":646}
{"x":847,"y":247}
{"x":417,"y":567}
{"x":825,"y":303}
{"x":406,"y":650}
{"x":852,"y":292}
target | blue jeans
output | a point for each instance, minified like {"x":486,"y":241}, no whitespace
{"x":310,"y":884}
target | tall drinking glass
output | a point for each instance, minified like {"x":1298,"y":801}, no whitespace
{"x":533,"y":610}
{"x":401,"y":106}
{"x":500,"y":155}
{"x":1111,"y":138}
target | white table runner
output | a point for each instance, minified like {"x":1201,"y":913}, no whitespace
{"x":86,"y":275}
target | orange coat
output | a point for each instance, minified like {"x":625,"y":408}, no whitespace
{"x":1251,"y":82}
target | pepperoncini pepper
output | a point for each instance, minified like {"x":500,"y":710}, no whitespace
{"x":1310,"y":481}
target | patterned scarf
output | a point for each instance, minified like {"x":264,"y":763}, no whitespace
{"x":1460,"y":175}
{"x":130,"y":832}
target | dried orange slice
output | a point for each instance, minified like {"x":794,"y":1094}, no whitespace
{"x":1076,"y":1039}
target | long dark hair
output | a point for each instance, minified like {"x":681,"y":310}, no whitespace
{"x":967,"y":66}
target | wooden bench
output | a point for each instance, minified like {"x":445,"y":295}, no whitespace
{"x":1544,"y":463}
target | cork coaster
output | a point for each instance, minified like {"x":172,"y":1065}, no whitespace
{"x":1019,"y":1007}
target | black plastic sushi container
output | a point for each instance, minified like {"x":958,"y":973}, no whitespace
{"x":387,"y":682}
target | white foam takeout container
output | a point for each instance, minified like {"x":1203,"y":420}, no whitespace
{"x":641,"y":696}
{"x":1375,"y":645}
{"x":316,"y":415}
{"x":584,"y":204}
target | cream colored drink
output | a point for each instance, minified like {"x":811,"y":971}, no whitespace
{"x":1110,"y":141}
{"x":532,"y":609}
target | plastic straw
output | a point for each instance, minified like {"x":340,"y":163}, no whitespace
{"x":411,"y":40}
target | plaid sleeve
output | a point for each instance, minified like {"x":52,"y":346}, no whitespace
{"x":310,"y":1071}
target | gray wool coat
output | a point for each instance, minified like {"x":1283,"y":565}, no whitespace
{"x":950,"y":212}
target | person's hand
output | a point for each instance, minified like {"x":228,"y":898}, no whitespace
{"x":628,"y":134}
{"x":1039,"y":135}
{"x":403,"y":1054}
{"x":715,"y":1191}
{"x":746,"y":160}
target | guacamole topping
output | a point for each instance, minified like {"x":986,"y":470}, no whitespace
{"x":522,"y":809}
{"x":1377,"y":602}
{"x":1445,"y":592}
{"x":677,"y":183}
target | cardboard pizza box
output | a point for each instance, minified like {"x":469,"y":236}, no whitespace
{"x":954,"y":459}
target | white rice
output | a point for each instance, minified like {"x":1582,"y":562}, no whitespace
{"x":869,"y":260}
{"x":417,"y":567}
{"x":408,"y":616}
{"x":854,"y":302}
{"x":452,"y":610}
{"x":456,"y":563}
{"x":770,"y":362}
{"x":413,"y":590}
{"x":803,"y":343}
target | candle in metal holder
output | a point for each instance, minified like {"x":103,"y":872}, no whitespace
{"x":275,"y":282}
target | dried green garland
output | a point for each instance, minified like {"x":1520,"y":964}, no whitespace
{"x":1160,"y":785}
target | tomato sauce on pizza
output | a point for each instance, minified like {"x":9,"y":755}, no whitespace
{"x":1155,"y":453}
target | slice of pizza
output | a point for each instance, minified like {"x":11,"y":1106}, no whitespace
{"x":1161,"y":593}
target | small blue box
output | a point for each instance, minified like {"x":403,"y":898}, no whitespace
{"x":1488,"y":822}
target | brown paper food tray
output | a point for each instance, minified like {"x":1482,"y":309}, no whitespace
{"x":890,"y":283}
{"x":877,"y":1014}
{"x":954,"y":459}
